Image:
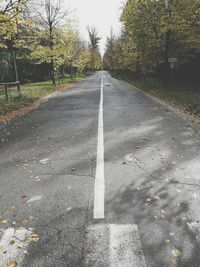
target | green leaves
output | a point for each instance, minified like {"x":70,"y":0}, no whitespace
{"x":153,"y":32}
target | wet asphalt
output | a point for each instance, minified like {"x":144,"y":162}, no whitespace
{"x":152,"y":174}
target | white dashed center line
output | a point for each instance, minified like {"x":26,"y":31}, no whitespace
{"x":99,"y":190}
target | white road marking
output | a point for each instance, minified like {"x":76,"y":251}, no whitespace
{"x":44,"y":161}
{"x":99,"y":190}
{"x":13,"y":245}
{"x":35,"y":198}
{"x":114,"y":246}
{"x":97,"y":246}
{"x":125,"y":246}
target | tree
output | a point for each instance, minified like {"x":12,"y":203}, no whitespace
{"x":94,"y":40}
{"x":154,"y":31}
{"x":11,"y":22}
{"x":73,"y":48}
{"x":50,"y":18}
{"x":84,"y":60}
{"x":109,"y":51}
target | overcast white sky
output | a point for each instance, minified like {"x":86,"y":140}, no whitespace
{"x":103,"y":14}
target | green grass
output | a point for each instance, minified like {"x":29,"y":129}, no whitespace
{"x":184,"y":96}
{"x":29,"y":94}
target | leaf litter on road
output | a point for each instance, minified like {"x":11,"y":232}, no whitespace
{"x":68,"y":209}
{"x":33,"y":238}
{"x":37,"y":179}
{"x":176,"y":253}
{"x":4,"y":221}
{"x":11,"y":264}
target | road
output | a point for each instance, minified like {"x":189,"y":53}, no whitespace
{"x":100,"y":175}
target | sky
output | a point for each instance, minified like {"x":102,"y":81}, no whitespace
{"x":103,"y":14}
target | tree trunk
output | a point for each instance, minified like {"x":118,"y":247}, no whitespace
{"x":52,"y":71}
{"x":15,"y":69}
{"x":166,"y":58}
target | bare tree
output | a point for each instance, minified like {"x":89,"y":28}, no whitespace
{"x":11,"y":8}
{"x":109,"y":51}
{"x":93,"y":44}
{"x":52,"y":16}
{"x":94,"y":38}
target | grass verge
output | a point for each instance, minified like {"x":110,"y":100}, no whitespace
{"x":185,"y":97}
{"x":30,"y":94}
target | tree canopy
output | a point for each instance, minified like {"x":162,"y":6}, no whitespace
{"x":39,"y":40}
{"x":155,"y":31}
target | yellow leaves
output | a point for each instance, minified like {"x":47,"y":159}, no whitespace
{"x":11,"y":264}
{"x":33,"y":238}
{"x":64,"y":49}
{"x":146,"y":24}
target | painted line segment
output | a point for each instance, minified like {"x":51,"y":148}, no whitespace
{"x":125,"y":246}
{"x":114,"y":245}
{"x":99,"y":191}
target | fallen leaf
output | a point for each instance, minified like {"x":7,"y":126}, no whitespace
{"x":11,"y":264}
{"x":34,"y":238}
{"x":176,"y":253}
{"x":68,"y":209}
{"x":172,"y":234}
{"x":37,"y":179}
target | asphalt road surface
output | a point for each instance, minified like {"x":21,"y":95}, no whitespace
{"x":100,"y":175}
